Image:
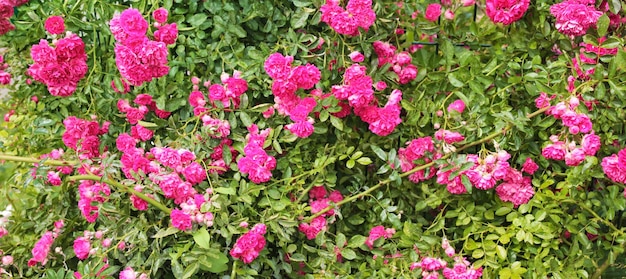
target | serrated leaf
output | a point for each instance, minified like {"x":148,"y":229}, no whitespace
{"x":501,"y":252}
{"x":356,"y":241}
{"x":197,"y":19}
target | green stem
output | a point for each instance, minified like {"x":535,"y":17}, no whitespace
{"x":47,"y":162}
{"x":124,"y":188}
{"x":233,"y":274}
{"x":598,"y":273}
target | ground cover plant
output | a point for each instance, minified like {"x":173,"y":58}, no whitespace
{"x":312,"y":138}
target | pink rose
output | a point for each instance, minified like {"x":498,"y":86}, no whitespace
{"x":433,"y":11}
{"x":55,"y":25}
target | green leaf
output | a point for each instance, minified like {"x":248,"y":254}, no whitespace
{"x":202,"y":238}
{"x":226,"y":191}
{"x":214,"y":261}
{"x":454,"y":81}
{"x":348,"y":253}
{"x":356,"y":241}
{"x":379,"y":152}
{"x":337,"y":123}
{"x":603,"y":25}
{"x":245,"y":119}
{"x":197,"y":19}
{"x":501,"y":252}
{"x":299,"y":18}
{"x":165,"y":232}
{"x":364,"y":161}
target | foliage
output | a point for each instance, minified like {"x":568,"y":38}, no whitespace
{"x":573,"y":226}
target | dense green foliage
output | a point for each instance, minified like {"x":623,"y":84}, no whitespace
{"x":571,"y":228}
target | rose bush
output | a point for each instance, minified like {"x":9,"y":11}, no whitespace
{"x":194,"y":139}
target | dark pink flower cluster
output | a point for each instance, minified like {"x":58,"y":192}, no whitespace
{"x":506,"y":11}
{"x":138,"y":58}
{"x":250,"y":244}
{"x":191,"y":212}
{"x":6,"y":12}
{"x":488,"y":171}
{"x":60,"y":67}
{"x":5,"y":77}
{"x":461,"y":269}
{"x":135,"y":114}
{"x":287,"y":81}
{"x":433,"y":11}
{"x":421,"y":150}
{"x":91,"y":194}
{"x":400,"y":61}
{"x":515,"y":188}
{"x":55,"y":25}
{"x":230,"y":91}
{"x":571,"y":150}
{"x":256,"y":162}
{"x":227,"y":94}
{"x":42,"y":248}
{"x":53,"y":176}
{"x":216,"y":128}
{"x":454,"y":185}
{"x":357,"y":90}
{"x":378,"y":232}
{"x":358,"y":13}
{"x":319,"y":200}
{"x":586,"y":50}
{"x":614,"y":167}
{"x":82,"y":136}
{"x":574,"y":17}
{"x":180,"y":162}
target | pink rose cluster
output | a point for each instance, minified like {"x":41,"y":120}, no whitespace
{"x":579,"y":125}
{"x":614,"y":167}
{"x":286,"y":82}
{"x":42,"y":248}
{"x":506,"y":11}
{"x":55,"y":25}
{"x":82,"y":136}
{"x":421,"y":150}
{"x":4,"y":220}
{"x":357,"y":91}
{"x":400,"y":61}
{"x":83,"y":244}
{"x":378,"y":232}
{"x":91,"y":194}
{"x":250,"y":244}
{"x":5,"y":77}
{"x":461,"y":268}
{"x":180,"y":163}
{"x":483,"y":173}
{"x":6,"y":12}
{"x":135,"y":114}
{"x":193,"y":210}
{"x":138,"y":58}
{"x":256,"y":162}
{"x":358,"y":13}
{"x":319,"y":199}
{"x":574,"y":17}
{"x":60,"y":67}
{"x":432,"y":12}
{"x":227,"y":95}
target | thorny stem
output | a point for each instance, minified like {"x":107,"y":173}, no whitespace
{"x":419,"y":168}
{"x":124,"y":188}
